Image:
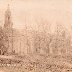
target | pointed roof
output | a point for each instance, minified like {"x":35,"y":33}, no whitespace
{"x":8,"y":12}
{"x":8,"y":22}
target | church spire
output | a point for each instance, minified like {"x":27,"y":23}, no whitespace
{"x":8,"y":22}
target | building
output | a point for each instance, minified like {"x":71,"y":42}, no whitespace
{"x":8,"y":29}
{"x":17,"y":42}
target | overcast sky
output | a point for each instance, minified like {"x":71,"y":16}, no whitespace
{"x":55,"y":11}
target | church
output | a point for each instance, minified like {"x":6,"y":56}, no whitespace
{"x":17,"y":43}
{"x":8,"y":29}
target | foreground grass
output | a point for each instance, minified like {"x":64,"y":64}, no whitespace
{"x":39,"y":64}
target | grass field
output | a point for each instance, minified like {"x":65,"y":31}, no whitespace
{"x":39,"y":64}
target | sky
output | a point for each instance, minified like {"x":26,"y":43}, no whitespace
{"x":31,"y":12}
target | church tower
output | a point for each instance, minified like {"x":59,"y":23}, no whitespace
{"x":8,"y":29}
{"x":8,"y":23}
